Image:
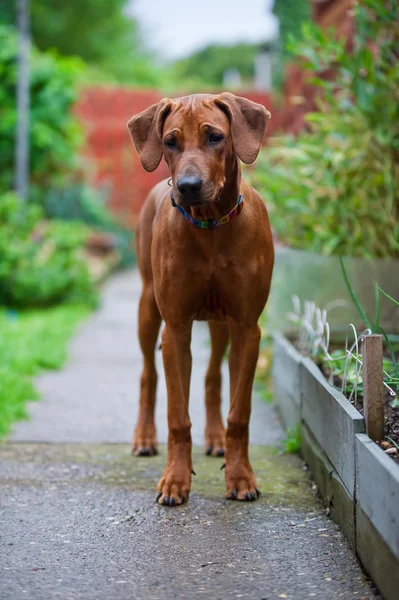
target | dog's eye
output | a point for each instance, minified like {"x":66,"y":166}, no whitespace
{"x":215,"y":138}
{"x":170,"y":143}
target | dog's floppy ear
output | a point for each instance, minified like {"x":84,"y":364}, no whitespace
{"x":146,"y":132}
{"x":248,"y":122}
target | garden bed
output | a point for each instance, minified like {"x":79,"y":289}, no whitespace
{"x":391,"y":426}
{"x":358,"y":482}
{"x":300,"y":272}
{"x":390,"y":444}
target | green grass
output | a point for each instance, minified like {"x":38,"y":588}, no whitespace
{"x":31,"y":341}
{"x":292,"y":443}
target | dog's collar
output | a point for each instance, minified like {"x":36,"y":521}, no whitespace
{"x":211,"y":223}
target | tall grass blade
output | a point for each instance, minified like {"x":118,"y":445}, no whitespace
{"x":392,"y":351}
{"x":362,"y":312}
{"x":392,"y":442}
{"x":387,"y":295}
{"x":377,"y":307}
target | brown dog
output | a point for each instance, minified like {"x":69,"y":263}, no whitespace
{"x":210,"y":269}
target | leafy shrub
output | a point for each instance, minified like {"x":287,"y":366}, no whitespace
{"x":335,"y":189}
{"x":100,"y":32}
{"x":80,"y":202}
{"x":54,"y":131}
{"x":41,"y":263}
{"x":291,"y":15}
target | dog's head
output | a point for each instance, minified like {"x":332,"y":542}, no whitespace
{"x":199,"y":137}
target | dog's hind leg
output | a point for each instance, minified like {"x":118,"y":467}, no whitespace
{"x":144,"y":439}
{"x":214,"y":430}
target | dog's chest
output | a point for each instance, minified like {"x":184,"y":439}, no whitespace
{"x":211,"y":305}
{"x":231,"y":288}
{"x":221,"y":291}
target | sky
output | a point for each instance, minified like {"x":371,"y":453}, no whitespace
{"x":175,"y":28}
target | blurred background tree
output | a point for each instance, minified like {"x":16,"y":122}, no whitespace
{"x":29,"y":275}
{"x":207,"y":66}
{"x":54,"y":132}
{"x":97,"y":31}
{"x":291,"y":15}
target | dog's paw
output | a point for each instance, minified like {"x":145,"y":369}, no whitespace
{"x":241,"y":486}
{"x":215,"y":442}
{"x":144,"y":443}
{"x":173,"y":488}
{"x":144,"y":450}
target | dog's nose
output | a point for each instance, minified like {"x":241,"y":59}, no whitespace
{"x":189,"y":185}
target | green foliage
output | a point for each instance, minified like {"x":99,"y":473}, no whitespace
{"x":366,"y":319}
{"x":391,"y":366}
{"x":54,"y":132}
{"x":80,"y":203}
{"x":292,"y":443}
{"x":335,"y":189}
{"x":30,"y":342}
{"x":41,"y":263}
{"x":387,"y":295}
{"x":337,"y":361}
{"x":262,"y":388}
{"x":97,"y":31}
{"x":291,"y":14}
{"x":206,"y":66}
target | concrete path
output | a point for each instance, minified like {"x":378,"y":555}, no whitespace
{"x":78,"y":518}
{"x":95,"y":397}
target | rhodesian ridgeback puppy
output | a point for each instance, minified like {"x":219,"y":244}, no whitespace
{"x":205,"y":252}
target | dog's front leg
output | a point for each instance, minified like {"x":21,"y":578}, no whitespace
{"x":174,"y":486}
{"x":244,"y":351}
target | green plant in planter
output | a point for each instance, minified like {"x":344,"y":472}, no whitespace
{"x":339,"y":368}
{"x":391,"y":366}
{"x":335,"y":189}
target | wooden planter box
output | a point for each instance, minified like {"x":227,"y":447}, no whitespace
{"x":377,"y":515}
{"x":287,"y":380}
{"x":329,"y":420}
{"x":356,"y":480}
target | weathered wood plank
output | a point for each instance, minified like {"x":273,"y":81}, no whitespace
{"x":342,"y":509}
{"x":333,"y":492}
{"x":319,"y":465}
{"x":287,"y":367}
{"x":332,"y":420}
{"x":287,"y":405}
{"x":373,"y":390}
{"x":377,"y":490}
{"x":376,"y":557}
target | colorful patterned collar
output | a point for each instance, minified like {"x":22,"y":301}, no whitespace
{"x":211,"y":223}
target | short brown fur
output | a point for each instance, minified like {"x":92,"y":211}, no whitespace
{"x":221,"y":275}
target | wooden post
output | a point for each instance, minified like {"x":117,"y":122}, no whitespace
{"x":373,"y":389}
